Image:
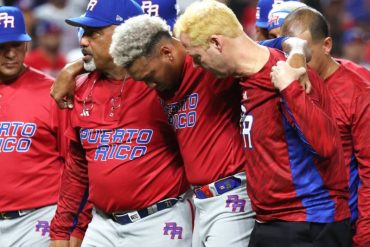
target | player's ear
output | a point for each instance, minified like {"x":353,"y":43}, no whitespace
{"x":216,"y":42}
{"x":327,"y":45}
{"x":166,"y":53}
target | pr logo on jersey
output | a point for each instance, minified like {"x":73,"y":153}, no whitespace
{"x":43,"y":227}
{"x":91,"y":5}
{"x":150,"y":8}
{"x":237,"y":205}
{"x":173,"y":230}
{"x":7,"y":20}
{"x":246,"y":122}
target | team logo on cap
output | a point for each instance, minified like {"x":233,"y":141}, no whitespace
{"x":150,"y":8}
{"x":91,"y":5}
{"x":274,"y":20}
{"x":7,"y":20}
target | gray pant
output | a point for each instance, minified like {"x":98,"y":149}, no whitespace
{"x":167,"y":228}
{"x":29,"y":230}
{"x":224,"y":220}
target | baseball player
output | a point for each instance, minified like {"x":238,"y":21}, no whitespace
{"x":63,"y":88}
{"x":122,"y":148}
{"x":350,"y":102}
{"x":32,"y":147}
{"x":295,"y":168}
{"x":204,"y":112}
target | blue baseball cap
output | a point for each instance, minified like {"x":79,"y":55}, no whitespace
{"x":103,"y":13}
{"x":279,"y":12}
{"x":12,"y":26}
{"x":44,"y":27}
{"x":166,"y":9}
{"x":263,"y":9}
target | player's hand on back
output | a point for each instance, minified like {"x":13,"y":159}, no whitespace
{"x":283,"y":74}
{"x":64,"y":85}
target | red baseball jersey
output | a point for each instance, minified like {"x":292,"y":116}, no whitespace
{"x":205,"y":113}
{"x":31,"y":143}
{"x":132,"y":157}
{"x":362,"y":71}
{"x":350,"y":95}
{"x":295,"y":166}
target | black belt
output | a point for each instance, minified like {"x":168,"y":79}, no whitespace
{"x":131,"y":217}
{"x":14,"y":214}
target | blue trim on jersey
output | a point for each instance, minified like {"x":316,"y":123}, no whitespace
{"x":298,"y":130}
{"x":354,"y":184}
{"x":310,"y":187}
{"x":80,"y":208}
{"x":276,"y":43}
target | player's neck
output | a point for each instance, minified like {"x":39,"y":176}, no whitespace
{"x":115,"y":73}
{"x":251,"y":58}
{"x":331,"y":66}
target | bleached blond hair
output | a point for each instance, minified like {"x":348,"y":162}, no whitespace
{"x":205,"y":18}
{"x":135,"y":38}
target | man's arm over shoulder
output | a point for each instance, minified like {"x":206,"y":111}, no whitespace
{"x":310,"y":112}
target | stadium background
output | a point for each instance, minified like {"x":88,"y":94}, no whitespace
{"x":55,"y":43}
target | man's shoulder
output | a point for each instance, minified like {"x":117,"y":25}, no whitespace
{"x":37,"y":75}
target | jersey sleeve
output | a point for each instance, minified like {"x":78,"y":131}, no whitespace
{"x":310,"y":115}
{"x":360,"y":135}
{"x":274,"y":43}
{"x":59,"y":122}
{"x":74,"y":184}
{"x":84,"y":219}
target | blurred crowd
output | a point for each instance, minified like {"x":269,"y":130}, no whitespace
{"x":349,"y":22}
{"x":55,"y":43}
